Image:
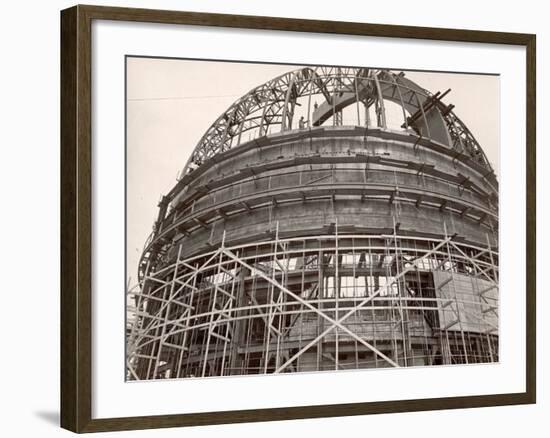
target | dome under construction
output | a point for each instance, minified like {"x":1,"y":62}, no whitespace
{"x":330,"y":219}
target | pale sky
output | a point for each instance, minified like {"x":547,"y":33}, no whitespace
{"x":171,"y":103}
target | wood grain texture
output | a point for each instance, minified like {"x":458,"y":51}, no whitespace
{"x":531,"y":220}
{"x":76,"y":222}
{"x":68,"y":346}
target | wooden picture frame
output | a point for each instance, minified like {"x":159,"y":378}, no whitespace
{"x":76,"y":217}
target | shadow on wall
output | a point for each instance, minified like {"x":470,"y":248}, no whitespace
{"x":51,"y":417}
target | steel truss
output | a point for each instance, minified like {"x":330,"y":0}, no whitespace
{"x":271,"y":107}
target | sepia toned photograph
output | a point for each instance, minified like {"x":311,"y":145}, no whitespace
{"x":287,"y":219}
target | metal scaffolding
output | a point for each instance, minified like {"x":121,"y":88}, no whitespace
{"x":319,"y":303}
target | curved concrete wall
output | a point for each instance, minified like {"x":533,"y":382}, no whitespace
{"x":308,"y":180}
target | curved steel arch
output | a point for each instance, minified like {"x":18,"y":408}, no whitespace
{"x":273,"y":104}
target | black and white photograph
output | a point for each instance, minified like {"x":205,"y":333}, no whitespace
{"x":307,"y":218}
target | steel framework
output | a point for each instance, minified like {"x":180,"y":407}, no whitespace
{"x":273,"y":105}
{"x":325,"y":245}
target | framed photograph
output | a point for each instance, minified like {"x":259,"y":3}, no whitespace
{"x":268,"y":218}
